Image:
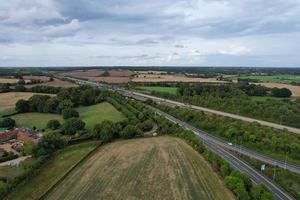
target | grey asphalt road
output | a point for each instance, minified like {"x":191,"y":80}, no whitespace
{"x":210,"y":143}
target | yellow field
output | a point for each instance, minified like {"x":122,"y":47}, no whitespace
{"x":148,"y":168}
{"x":294,"y":89}
{"x":8,"y":100}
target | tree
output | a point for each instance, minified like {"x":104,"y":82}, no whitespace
{"x":29,"y":147}
{"x":104,"y":131}
{"x":22,"y":106}
{"x":7,"y":123}
{"x":64,"y":104}
{"x":87,"y":97}
{"x":49,"y":143}
{"x":20,"y":88}
{"x":51,"y":105}
{"x":236,"y":185}
{"x":260,"y":192}
{"x":130,"y":131}
{"x":37,"y":102}
{"x":69,"y":113}
{"x":72,"y":125}
{"x":21,"y":82}
{"x":281,"y":92}
{"x":53,"y":124}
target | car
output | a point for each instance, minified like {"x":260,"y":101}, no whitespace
{"x":230,"y":144}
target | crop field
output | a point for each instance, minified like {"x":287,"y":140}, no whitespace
{"x":146,"y":168}
{"x":172,"y":78}
{"x":55,"y":83}
{"x":95,"y":114}
{"x":294,"y":89}
{"x":52,"y":171}
{"x":170,"y":90}
{"x":39,"y":120}
{"x":282,"y":78}
{"x":8,"y":100}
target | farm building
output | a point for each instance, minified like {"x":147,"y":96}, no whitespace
{"x":22,"y":135}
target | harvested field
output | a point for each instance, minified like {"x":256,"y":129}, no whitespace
{"x":172,"y":78}
{"x":146,"y":168}
{"x":9,"y":99}
{"x":294,"y":89}
{"x":55,"y":83}
{"x":115,"y":76}
{"x":42,"y":78}
{"x":11,"y":80}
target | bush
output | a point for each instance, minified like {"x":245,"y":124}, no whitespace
{"x":53,"y":124}
{"x":7,"y":123}
{"x":22,"y":106}
{"x":130,"y":131}
{"x":72,"y":125}
{"x":69,"y":113}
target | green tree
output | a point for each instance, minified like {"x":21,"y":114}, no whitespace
{"x":104,"y":131}
{"x":20,"y":88}
{"x":69,"y":113}
{"x":51,"y":105}
{"x":236,"y":185}
{"x":261,"y":192}
{"x":29,"y":148}
{"x":21,"y":82}
{"x":7,"y":123}
{"x":72,"y":125}
{"x":49,"y":143}
{"x":281,"y":92}
{"x":53,"y":124}
{"x":130,"y":131}
{"x":22,"y":106}
{"x":64,"y":104}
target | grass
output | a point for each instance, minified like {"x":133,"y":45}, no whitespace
{"x":95,"y":114}
{"x":258,"y":98}
{"x":39,"y":120}
{"x":147,"y":168}
{"x":281,"y":78}
{"x":170,"y":90}
{"x":91,"y":115}
{"x":52,"y":171}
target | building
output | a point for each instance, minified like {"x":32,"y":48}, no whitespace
{"x":22,"y":135}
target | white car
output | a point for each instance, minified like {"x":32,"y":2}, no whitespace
{"x":230,"y":144}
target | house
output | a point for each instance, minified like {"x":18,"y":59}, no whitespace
{"x":8,"y":135}
{"x":22,"y":135}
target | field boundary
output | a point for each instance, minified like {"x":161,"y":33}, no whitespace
{"x":70,"y":170}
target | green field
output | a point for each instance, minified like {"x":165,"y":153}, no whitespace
{"x":95,"y":114}
{"x":282,"y":78}
{"x":39,"y":120}
{"x":52,"y":171}
{"x":146,"y":168}
{"x":170,"y":90}
{"x":91,"y":115}
{"x":258,"y":98}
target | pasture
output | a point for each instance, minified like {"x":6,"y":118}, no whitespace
{"x":95,"y":114}
{"x":146,"y":168}
{"x":170,"y":90}
{"x":280,"y":78}
{"x":52,"y":171}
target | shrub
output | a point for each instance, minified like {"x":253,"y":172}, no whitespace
{"x":53,"y":124}
{"x":72,"y":125}
{"x":69,"y":113}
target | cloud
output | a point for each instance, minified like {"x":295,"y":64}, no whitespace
{"x":235,"y":50}
{"x":62,"y":30}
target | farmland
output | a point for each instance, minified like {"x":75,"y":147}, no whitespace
{"x":280,"y":78}
{"x":152,"y":168}
{"x":55,"y":83}
{"x":294,"y":89}
{"x":9,"y":99}
{"x":92,"y":115}
{"x":63,"y":160}
{"x":170,"y":90}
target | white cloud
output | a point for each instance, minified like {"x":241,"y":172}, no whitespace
{"x":235,"y":50}
{"x":62,"y":30}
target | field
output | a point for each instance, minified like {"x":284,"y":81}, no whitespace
{"x":39,"y":120}
{"x":259,"y":98}
{"x":170,"y":90}
{"x":282,"y":78}
{"x":148,"y":168}
{"x":52,"y":171}
{"x":8,"y":100}
{"x":172,"y":78}
{"x":115,"y":76}
{"x":294,"y":89}
{"x":92,"y":115}
{"x":55,"y":83}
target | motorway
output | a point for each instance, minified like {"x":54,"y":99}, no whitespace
{"x":217,"y":146}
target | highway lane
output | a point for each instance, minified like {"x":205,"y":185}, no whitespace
{"x":232,"y":159}
{"x":216,"y":140}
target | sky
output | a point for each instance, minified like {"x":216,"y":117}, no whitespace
{"x":260,"y":33}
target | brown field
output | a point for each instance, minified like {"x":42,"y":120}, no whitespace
{"x":9,"y":99}
{"x":294,"y":89}
{"x":172,"y":78}
{"x":42,"y":78}
{"x":147,"y":168}
{"x":11,"y":80}
{"x":116,"y":76}
{"x":55,"y":83}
